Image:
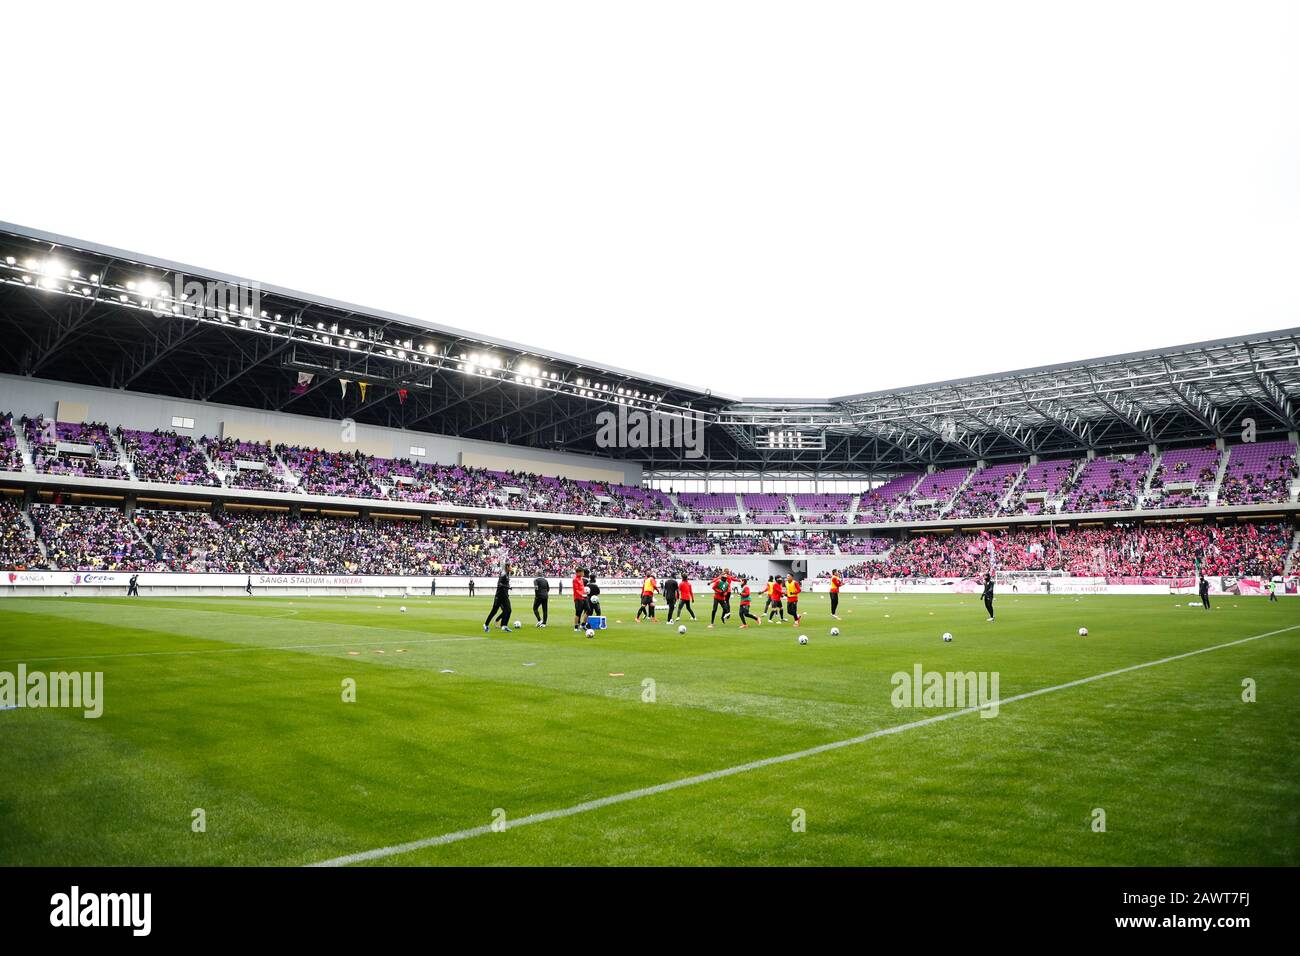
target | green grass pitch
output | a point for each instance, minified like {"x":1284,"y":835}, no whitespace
{"x":235,"y":706}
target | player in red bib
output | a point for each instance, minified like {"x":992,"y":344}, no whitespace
{"x":581,"y":608}
{"x":721,"y":586}
{"x":778,"y":595}
{"x":685,"y":595}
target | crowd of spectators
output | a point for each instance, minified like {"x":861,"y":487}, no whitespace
{"x":11,"y":458}
{"x":1116,"y":551}
{"x":18,"y":549}
{"x":319,"y":472}
{"x":810,"y":543}
{"x":689,"y":544}
{"x":83,"y":449}
{"x":279,"y":543}
{"x":167,"y":457}
{"x":83,"y":538}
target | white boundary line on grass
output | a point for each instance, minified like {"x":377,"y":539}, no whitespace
{"x":236,"y":650}
{"x":457,"y":836}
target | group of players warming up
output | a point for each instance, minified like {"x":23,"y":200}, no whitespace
{"x":781,"y":599}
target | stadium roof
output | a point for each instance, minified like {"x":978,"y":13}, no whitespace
{"x":77,"y":311}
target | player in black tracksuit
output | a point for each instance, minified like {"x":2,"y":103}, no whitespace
{"x":133,"y":586}
{"x":988,"y":594}
{"x":500,"y":603}
{"x":670,"y":595}
{"x":541,"y":598}
{"x":1205,"y":593}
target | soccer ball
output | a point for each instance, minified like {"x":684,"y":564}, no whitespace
{"x":835,"y":632}
{"x":681,"y":629}
{"x":517,"y":624}
{"x":402,"y":608}
{"x":590,"y":632}
{"x":947,"y":637}
{"x":803,"y":638}
{"x":1083,"y":632}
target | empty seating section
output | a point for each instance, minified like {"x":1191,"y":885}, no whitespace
{"x":766,"y":509}
{"x":876,"y":505}
{"x":983,"y":494}
{"x":1109,"y":484}
{"x":1259,"y":473}
{"x":816,"y":544}
{"x":1042,"y":482}
{"x":706,"y":508}
{"x":823,"y":509}
{"x":932,"y":495}
{"x":746,"y":544}
{"x":1184,"y":477}
{"x":856,"y":545}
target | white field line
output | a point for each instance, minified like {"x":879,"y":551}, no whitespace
{"x":236,"y":650}
{"x":457,"y":836}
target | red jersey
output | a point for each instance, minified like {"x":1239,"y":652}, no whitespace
{"x":795,"y":588}
{"x":836,"y":581}
{"x":685,"y":592}
{"x":778,"y":590}
{"x":579,"y":588}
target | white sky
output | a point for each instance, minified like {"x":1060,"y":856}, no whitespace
{"x":797,"y":199}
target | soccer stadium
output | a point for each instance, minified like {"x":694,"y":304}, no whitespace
{"x":293,"y":581}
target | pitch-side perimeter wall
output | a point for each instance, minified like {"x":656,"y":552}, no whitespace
{"x":91,"y":583}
